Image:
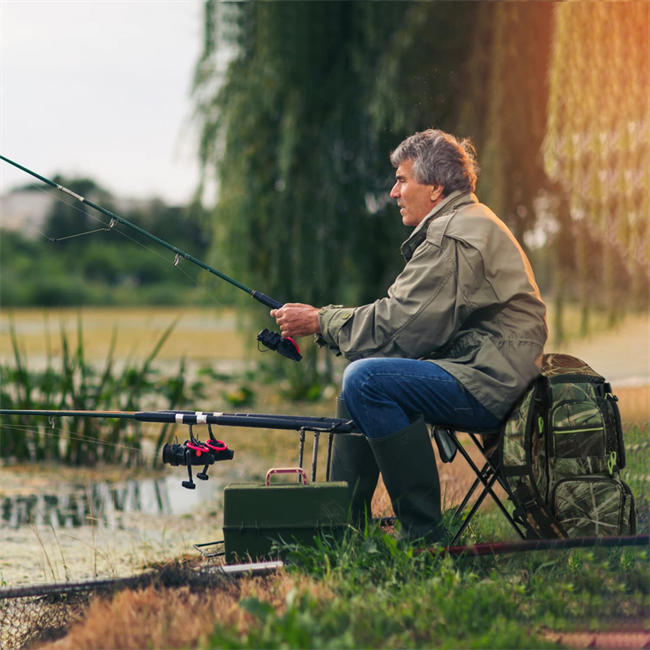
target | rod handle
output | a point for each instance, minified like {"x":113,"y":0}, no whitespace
{"x":266,"y":300}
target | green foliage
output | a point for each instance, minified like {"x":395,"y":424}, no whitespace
{"x":379,"y":593}
{"x":385,"y":595}
{"x":118,"y":266}
{"x":238,"y":396}
{"x":299,"y":132}
{"x":77,"y":385}
{"x":296,"y":163}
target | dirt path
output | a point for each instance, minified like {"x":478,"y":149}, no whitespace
{"x":622,"y":355}
{"x":623,"y":639}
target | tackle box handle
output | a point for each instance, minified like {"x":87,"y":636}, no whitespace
{"x":287,"y":470}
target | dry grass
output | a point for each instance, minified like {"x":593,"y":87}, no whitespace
{"x":179,"y":617}
{"x":200,"y":334}
{"x":634,"y":403}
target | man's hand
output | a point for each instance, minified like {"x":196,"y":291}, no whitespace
{"x":296,"y":319}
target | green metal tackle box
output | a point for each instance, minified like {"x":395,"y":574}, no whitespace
{"x":257,"y":515}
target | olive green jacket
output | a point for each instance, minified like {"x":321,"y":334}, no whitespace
{"x":466,"y":299}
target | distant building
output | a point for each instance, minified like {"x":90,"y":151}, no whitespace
{"x":24,"y":211}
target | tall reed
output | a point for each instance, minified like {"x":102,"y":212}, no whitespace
{"x":71,"y":382}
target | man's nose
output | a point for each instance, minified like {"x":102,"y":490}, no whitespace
{"x":394,"y":193}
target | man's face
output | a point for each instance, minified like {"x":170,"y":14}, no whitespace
{"x":414,"y":199}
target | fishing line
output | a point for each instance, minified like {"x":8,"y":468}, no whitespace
{"x":154,"y":252}
{"x":73,"y":206}
{"x":111,"y":226}
{"x":61,"y":434}
{"x":83,"y":234}
{"x":105,"y":227}
{"x":286,"y":347}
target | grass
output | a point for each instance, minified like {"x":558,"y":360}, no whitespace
{"x":367,"y":590}
{"x":384,"y":595}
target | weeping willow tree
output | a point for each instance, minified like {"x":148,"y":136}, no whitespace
{"x":299,"y":132}
{"x":287,"y":134}
{"x":300,"y":104}
{"x":596,"y":148}
{"x":507,"y":107}
{"x":293,"y":130}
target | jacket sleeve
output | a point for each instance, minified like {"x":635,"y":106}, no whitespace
{"x":425,"y":306}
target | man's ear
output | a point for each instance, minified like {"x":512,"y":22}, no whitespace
{"x":436,"y":193}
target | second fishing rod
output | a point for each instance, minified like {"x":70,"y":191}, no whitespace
{"x":287,"y":347}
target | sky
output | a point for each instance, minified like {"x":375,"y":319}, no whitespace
{"x":101,"y":89}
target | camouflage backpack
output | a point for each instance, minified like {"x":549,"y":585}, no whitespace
{"x":561,"y":453}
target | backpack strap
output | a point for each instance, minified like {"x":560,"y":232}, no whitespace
{"x":535,"y":517}
{"x":530,"y":510}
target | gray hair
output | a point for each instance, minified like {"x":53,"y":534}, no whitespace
{"x":439,"y":158}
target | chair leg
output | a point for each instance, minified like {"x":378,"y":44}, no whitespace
{"x":458,"y":514}
{"x":487,"y":476}
{"x":470,"y":492}
{"x":474,"y":509}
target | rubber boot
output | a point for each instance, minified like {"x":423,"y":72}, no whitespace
{"x":408,"y":466}
{"x":354,"y":462}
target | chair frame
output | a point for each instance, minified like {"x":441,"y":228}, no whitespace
{"x":487,"y":476}
{"x":448,"y":444}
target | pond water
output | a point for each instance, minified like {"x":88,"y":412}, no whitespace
{"x":103,"y":503}
{"x":58,"y":526}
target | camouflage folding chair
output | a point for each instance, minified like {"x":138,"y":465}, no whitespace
{"x":487,"y":476}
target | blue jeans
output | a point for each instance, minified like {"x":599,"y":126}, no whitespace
{"x":385,"y":395}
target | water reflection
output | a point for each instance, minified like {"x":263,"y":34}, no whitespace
{"x":103,"y":503}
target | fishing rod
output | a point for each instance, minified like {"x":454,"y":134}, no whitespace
{"x":194,"y":452}
{"x":497,"y":548}
{"x":253,"y":420}
{"x":287,"y":347}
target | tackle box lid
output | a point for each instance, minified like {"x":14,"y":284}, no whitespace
{"x":262,"y":506}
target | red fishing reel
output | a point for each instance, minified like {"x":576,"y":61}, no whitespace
{"x":287,"y":347}
{"x":195,"y":452}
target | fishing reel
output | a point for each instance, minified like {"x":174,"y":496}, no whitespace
{"x":195,"y":452}
{"x":287,"y":347}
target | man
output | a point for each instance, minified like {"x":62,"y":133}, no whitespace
{"x":456,"y":340}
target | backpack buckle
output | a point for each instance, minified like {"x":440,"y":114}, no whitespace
{"x":611,"y":463}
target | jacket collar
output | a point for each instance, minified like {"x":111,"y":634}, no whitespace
{"x":446,"y":207}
